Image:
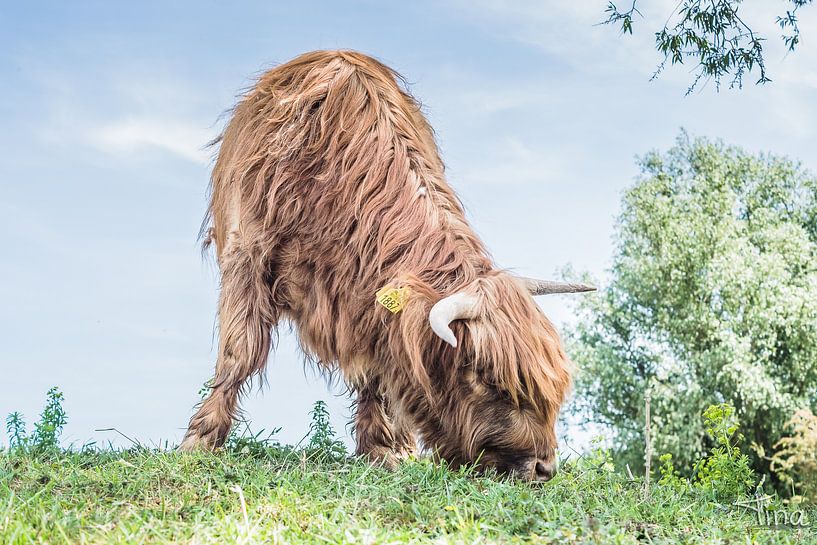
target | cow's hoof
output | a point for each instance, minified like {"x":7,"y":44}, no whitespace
{"x":194,"y":443}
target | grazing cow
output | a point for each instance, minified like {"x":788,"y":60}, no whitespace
{"x":330,"y":210}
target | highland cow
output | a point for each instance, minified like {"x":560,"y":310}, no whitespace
{"x":329,"y":210}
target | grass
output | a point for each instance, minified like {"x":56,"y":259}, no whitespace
{"x":256,"y":491}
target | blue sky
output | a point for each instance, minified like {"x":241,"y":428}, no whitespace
{"x":107,"y":107}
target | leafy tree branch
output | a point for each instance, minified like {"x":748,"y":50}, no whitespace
{"x":713,"y":34}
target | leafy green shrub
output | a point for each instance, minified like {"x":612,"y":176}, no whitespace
{"x":795,"y":461}
{"x":725,"y":472}
{"x":323,"y":442}
{"x":47,"y":431}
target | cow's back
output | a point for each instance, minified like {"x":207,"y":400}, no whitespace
{"x":329,"y":174}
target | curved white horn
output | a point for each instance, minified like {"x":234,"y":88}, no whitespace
{"x":458,"y":306}
{"x":546,"y":287}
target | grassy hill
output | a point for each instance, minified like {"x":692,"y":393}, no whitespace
{"x":255,"y":491}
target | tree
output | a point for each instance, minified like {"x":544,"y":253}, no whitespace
{"x":713,"y":33}
{"x":712,"y":298}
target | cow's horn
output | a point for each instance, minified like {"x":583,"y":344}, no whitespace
{"x":458,"y":306}
{"x":545,"y":287}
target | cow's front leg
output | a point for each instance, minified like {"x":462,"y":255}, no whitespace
{"x":405,"y":443}
{"x":246,"y":318}
{"x":378,"y":437}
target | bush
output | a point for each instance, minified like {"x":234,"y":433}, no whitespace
{"x":724,"y":473}
{"x":47,"y":431}
{"x":323,"y":443}
{"x":795,"y":461}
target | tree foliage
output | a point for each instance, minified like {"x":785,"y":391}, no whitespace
{"x":712,"y":298}
{"x":713,"y":34}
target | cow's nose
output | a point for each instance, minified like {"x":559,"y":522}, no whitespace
{"x":543,"y":471}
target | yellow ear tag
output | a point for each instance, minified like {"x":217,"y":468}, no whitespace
{"x":393,"y":299}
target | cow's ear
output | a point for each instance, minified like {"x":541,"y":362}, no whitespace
{"x":459,"y":306}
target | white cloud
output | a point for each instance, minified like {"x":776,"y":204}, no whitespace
{"x":136,"y":135}
{"x":124,"y":115}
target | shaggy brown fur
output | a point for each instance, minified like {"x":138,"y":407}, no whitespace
{"x":329,"y":186}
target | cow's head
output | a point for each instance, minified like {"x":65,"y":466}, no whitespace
{"x":506,"y":377}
